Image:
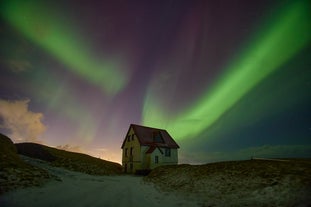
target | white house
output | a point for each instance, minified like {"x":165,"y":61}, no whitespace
{"x":145,"y":148}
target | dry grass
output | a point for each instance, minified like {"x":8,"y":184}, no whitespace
{"x":14,"y":172}
{"x":246,"y":183}
{"x":70,"y":160}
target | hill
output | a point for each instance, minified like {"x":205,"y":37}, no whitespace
{"x":69,"y":160}
{"x":14,"y":172}
{"x":240,"y":183}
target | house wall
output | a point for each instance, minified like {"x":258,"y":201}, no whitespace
{"x":155,"y":153}
{"x":149,"y":159}
{"x":134,"y":159}
{"x":145,"y":158}
{"x":170,"y":160}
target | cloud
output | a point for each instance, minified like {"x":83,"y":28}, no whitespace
{"x":70,"y":148}
{"x":102,"y":149}
{"x":264,"y":151}
{"x":277,"y":151}
{"x":23,"y":124}
{"x":106,"y":154}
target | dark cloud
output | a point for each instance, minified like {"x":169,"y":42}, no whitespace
{"x":264,"y":151}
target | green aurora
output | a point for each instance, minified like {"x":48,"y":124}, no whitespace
{"x":280,"y":38}
{"x":51,"y":34}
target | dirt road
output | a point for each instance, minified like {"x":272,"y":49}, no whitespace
{"x":78,"y":189}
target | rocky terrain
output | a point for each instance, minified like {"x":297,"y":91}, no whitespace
{"x":239,"y":183}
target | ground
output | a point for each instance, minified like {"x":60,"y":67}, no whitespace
{"x":256,"y":183}
{"x":58,"y":178}
{"x":79,"y":189}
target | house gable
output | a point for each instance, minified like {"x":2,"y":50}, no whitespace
{"x":152,"y":149}
{"x":130,"y":136}
{"x":131,"y":153}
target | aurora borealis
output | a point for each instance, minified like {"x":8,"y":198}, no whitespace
{"x":57,"y":39}
{"x":227,"y":79}
{"x":259,"y":60}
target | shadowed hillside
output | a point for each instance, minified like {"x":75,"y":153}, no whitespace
{"x":14,"y":172}
{"x":240,"y":183}
{"x":69,"y":160}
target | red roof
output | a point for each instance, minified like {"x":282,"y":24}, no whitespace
{"x":152,"y":148}
{"x":146,"y":137}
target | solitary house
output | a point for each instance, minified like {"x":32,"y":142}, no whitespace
{"x":145,"y":148}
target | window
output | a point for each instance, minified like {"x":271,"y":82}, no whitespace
{"x":132,"y":137}
{"x":157,"y":137}
{"x":167,"y":152}
{"x":128,"y":138}
{"x":131,"y":152}
{"x":125,"y":152}
{"x":156,"y":159}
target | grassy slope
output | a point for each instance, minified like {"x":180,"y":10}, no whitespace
{"x":14,"y":172}
{"x":70,"y":160}
{"x":251,"y":182}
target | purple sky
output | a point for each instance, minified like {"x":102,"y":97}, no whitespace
{"x":181,"y":47}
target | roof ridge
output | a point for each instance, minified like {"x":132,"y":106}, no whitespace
{"x":148,"y":127}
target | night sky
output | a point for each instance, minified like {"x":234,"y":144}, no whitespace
{"x":227,"y":79}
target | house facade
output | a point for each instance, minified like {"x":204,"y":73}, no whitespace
{"x":145,"y":148}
